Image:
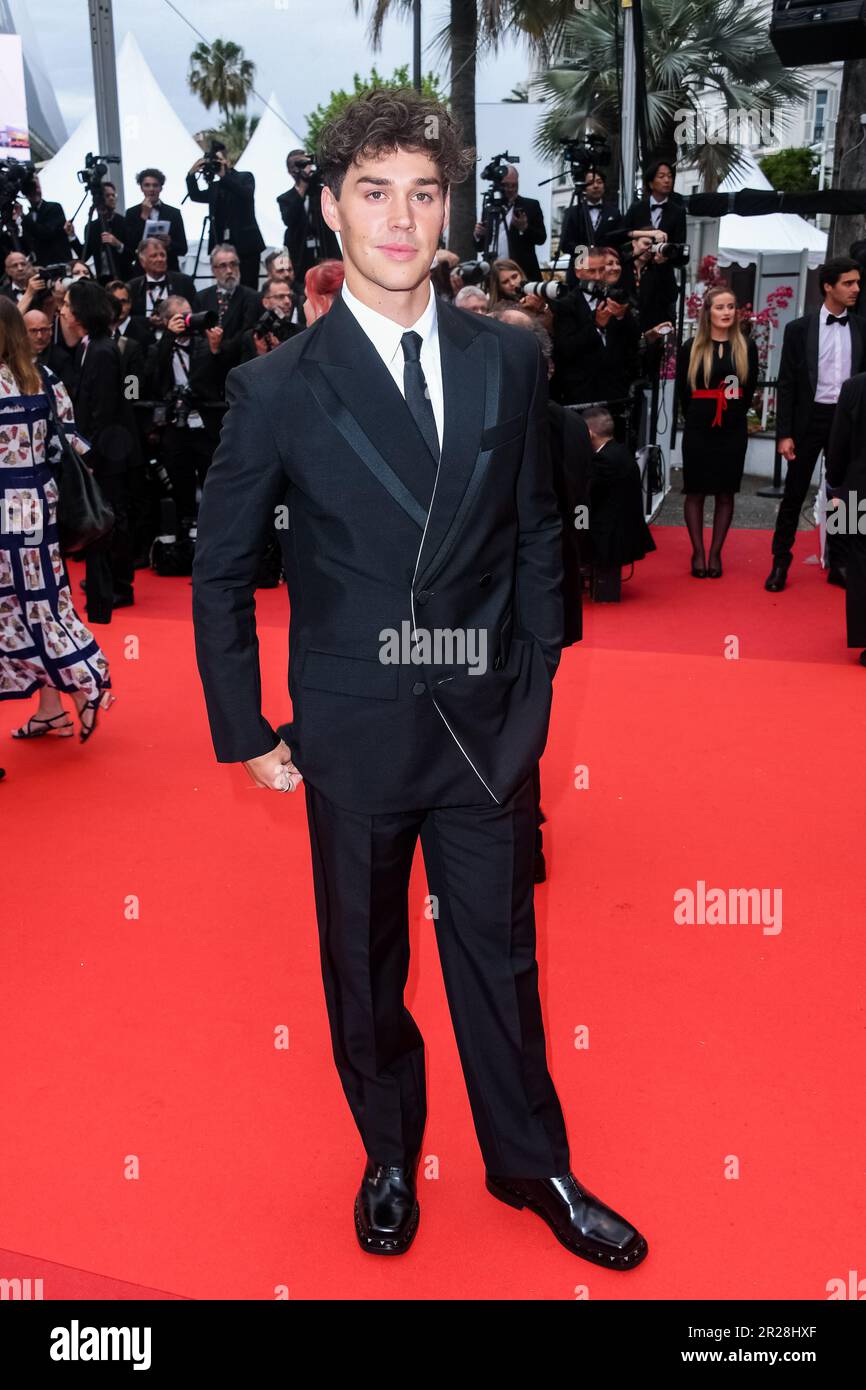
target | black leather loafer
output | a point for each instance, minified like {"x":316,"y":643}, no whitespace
{"x":775,"y":580}
{"x":386,"y":1209}
{"x":580,"y":1222}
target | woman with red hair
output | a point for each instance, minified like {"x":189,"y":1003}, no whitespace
{"x":321,"y":282}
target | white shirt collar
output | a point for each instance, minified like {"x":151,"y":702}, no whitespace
{"x":383,"y":332}
{"x":825,"y":312}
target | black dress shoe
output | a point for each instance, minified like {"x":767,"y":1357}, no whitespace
{"x":775,"y":581}
{"x":837,"y":575}
{"x":580,"y":1222}
{"x":698,"y":571}
{"x":122,"y":600}
{"x":386,"y":1209}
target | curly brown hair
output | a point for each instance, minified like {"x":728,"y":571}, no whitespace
{"x":380,"y":121}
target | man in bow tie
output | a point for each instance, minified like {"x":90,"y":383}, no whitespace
{"x":150,"y":289}
{"x":820,"y":351}
{"x":660,"y":208}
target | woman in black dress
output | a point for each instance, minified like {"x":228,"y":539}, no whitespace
{"x":717,"y":373}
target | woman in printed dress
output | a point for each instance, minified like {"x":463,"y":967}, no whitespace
{"x":44,"y":646}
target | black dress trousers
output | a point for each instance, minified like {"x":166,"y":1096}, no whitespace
{"x":797,"y":479}
{"x":479,"y":863}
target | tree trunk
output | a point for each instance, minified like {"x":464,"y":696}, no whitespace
{"x":464,"y":34}
{"x":849,"y":164}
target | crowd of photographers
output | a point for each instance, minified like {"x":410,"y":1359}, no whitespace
{"x":144,"y":353}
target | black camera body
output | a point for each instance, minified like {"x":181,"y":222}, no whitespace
{"x":15,"y":177}
{"x":591,"y":155}
{"x":212,"y":167}
{"x":272,"y":322}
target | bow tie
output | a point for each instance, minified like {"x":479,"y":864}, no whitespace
{"x":841,"y":318}
{"x":657,"y":205}
{"x":155,"y":284}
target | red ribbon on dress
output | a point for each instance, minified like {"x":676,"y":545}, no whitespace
{"x":717,"y":394}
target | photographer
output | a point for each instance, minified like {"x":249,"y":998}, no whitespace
{"x":660,"y":209}
{"x":148,"y":290}
{"x":231,"y":199}
{"x":105,"y":237}
{"x":589,"y":222}
{"x":19,"y":270}
{"x":649,"y":278}
{"x":236,"y":306}
{"x":520,"y":230}
{"x":308,"y":238}
{"x":152,"y":209}
{"x":274,"y":326}
{"x":48,"y":236}
{"x":595,"y":334}
{"x":186,"y":372}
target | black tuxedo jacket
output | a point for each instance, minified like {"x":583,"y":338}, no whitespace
{"x":95,"y":249}
{"x":232,"y":210}
{"x":673,"y":219}
{"x":846,"y":449}
{"x":577,"y":230}
{"x":297,"y":225}
{"x":589,"y":368}
{"x":521,"y":245}
{"x":244,"y":309}
{"x":319,"y":427}
{"x":135,"y":227}
{"x":618,"y":533}
{"x":101,"y":411}
{"x":176,"y":281}
{"x":798,"y":371}
{"x":44,"y":236}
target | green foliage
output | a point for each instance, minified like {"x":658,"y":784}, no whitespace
{"x":793,"y":170}
{"x":339,"y":100}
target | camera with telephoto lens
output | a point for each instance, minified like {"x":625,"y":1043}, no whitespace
{"x":473,"y":272}
{"x":272,"y":322}
{"x":307,"y":168}
{"x":93,"y":174}
{"x":545,"y":289}
{"x":200,"y":322}
{"x":677,"y":253}
{"x":212,"y":167}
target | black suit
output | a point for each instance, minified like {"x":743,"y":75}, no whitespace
{"x":846,"y":472}
{"x":175,"y":283}
{"x":673,"y":217}
{"x":618,"y":533}
{"x":521,"y":245}
{"x":135,"y":230}
{"x":378,"y":540}
{"x":589,"y":366}
{"x":581,"y":227}
{"x":300,"y":227}
{"x":119,"y":264}
{"x":232,"y":201}
{"x":243,"y":310}
{"x":43,"y":234}
{"x":104,"y":417}
{"x":807,"y":422}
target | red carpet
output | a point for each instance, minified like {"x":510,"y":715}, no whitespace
{"x":148,"y":1036}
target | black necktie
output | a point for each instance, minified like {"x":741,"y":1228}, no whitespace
{"x":841,"y":318}
{"x":417,"y":395}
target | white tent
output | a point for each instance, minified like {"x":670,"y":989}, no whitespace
{"x":743,"y":239}
{"x":265,"y":158}
{"x":150,"y":134}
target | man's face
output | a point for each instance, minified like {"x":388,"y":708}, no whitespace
{"x":227,"y":269}
{"x":296,"y":164}
{"x":38,"y":327}
{"x":846,"y":289}
{"x":35,"y":194}
{"x":151,"y":188}
{"x":594,"y":188}
{"x":18,"y":268}
{"x":279,"y":297}
{"x":590,"y":267}
{"x":509,"y":184}
{"x":123,"y":299}
{"x":153,"y":258}
{"x":68,"y":319}
{"x":109,"y":195}
{"x":282,"y":269}
{"x":390,"y":215}
{"x":663,"y":182}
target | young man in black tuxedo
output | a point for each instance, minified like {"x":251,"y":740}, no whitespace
{"x":521,"y":229}
{"x":591,"y":222}
{"x":819,"y":352}
{"x":150,"y":209}
{"x":408,"y":441}
{"x":660,"y":207}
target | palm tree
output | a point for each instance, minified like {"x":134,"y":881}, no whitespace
{"x":221,"y":76}
{"x":695,"y":50}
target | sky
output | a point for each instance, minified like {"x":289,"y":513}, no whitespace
{"x":302,"y":49}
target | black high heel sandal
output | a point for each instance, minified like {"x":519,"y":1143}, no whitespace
{"x":697,"y":572}
{"x":714,"y":572}
{"x":26,"y":732}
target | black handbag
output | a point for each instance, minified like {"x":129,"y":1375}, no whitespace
{"x":83,"y":514}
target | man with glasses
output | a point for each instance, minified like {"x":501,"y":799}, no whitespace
{"x":38,"y":327}
{"x":237,"y":307}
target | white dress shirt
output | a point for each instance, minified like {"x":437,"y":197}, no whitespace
{"x":834,"y":357}
{"x":385,"y":336}
{"x":503,"y":251}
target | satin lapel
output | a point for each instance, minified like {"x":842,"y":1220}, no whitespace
{"x":812,"y":350}
{"x":383,"y":425}
{"x":470,"y":384}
